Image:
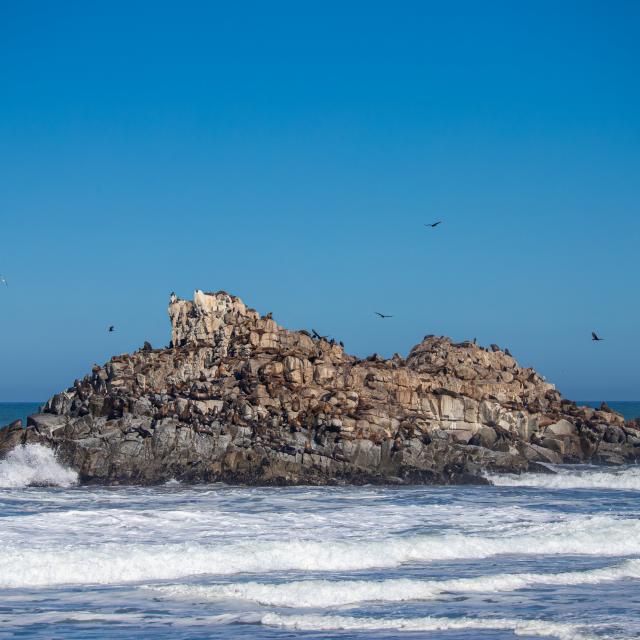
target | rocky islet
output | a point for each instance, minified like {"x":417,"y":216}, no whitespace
{"x":238,"y":398}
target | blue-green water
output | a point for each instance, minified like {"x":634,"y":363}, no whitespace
{"x":10,"y":411}
{"x":629,"y":408}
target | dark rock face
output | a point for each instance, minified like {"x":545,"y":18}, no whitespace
{"x":238,"y":398}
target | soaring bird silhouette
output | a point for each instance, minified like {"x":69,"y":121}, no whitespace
{"x":112,"y":329}
{"x":595,"y":337}
{"x":318,"y":336}
{"x":3,"y":281}
{"x":433,"y":224}
{"x":382,"y":315}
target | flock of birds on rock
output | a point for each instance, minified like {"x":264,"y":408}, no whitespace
{"x":594,"y":336}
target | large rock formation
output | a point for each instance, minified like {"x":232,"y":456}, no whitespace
{"x":238,"y":398}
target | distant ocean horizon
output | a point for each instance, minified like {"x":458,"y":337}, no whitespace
{"x":10,"y":411}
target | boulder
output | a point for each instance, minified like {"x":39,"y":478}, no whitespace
{"x":561,"y":428}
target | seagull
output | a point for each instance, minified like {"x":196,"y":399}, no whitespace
{"x":173,"y":297}
{"x":595,"y":337}
{"x":111,"y":329}
{"x":382,"y":315}
{"x":3,"y":281}
{"x":433,"y":224}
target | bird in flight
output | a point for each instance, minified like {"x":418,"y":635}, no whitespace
{"x":318,"y":336}
{"x":595,"y":337}
{"x":433,"y":224}
{"x":3,"y":281}
{"x":111,"y":329}
{"x":382,"y":315}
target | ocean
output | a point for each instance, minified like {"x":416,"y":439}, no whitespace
{"x":10,"y":411}
{"x":629,"y":409}
{"x":531,"y":556}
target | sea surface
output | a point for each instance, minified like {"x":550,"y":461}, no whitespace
{"x":10,"y":411}
{"x":551,"y":556}
{"x":629,"y":409}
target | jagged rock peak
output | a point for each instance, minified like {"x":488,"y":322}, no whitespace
{"x":226,"y":323}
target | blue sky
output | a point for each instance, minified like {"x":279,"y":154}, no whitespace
{"x":290,"y":153}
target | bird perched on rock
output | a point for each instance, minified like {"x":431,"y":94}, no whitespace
{"x":318,"y":336}
{"x":595,"y":337}
{"x":433,"y":224}
{"x":382,"y":315}
{"x":111,"y":329}
{"x":173,"y":297}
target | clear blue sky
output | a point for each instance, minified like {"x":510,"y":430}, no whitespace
{"x":290,"y":153}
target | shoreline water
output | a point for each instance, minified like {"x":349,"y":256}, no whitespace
{"x":526,"y":557}
{"x":10,"y":411}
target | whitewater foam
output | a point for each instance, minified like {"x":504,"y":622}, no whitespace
{"x":540,"y":628}
{"x":624,"y":479}
{"x":312,"y":622}
{"x":338,"y":593}
{"x":116,"y":563}
{"x":34,"y":465}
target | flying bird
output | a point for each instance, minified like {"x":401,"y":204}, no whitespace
{"x":111,"y":329}
{"x":433,"y":224}
{"x":3,"y":281}
{"x":382,"y":315}
{"x":595,"y":337}
{"x":318,"y":336}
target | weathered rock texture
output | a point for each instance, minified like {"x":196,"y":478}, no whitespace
{"x":238,"y":398}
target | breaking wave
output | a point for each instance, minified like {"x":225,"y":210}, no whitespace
{"x":315,"y":622}
{"x":113,"y":563}
{"x":540,"y":628}
{"x":336,"y":593}
{"x":34,"y":465}
{"x":624,"y":479}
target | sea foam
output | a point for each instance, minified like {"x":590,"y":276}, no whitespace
{"x":117,"y":563}
{"x":34,"y":465}
{"x":540,"y":628}
{"x":624,"y":479}
{"x":337,"y":593}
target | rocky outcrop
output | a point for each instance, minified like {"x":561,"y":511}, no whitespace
{"x":237,"y":398}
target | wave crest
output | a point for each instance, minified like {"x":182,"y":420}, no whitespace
{"x":314,"y":622}
{"x":34,"y":465}
{"x":624,"y":479}
{"x":337,"y":593}
{"x":116,"y":563}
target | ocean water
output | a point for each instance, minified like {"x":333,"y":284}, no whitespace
{"x":534,"y":556}
{"x":629,"y":409}
{"x":10,"y":411}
